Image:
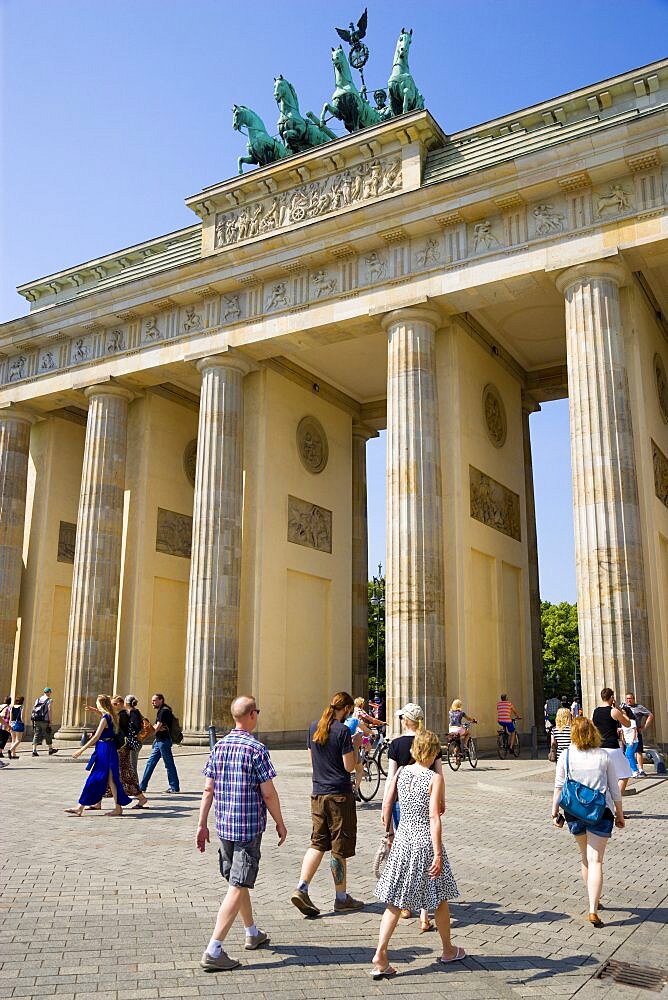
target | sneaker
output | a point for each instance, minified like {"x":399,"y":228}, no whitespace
{"x":347,"y":905}
{"x":221,"y":964}
{"x":254,"y":941}
{"x":35,"y":754}
{"x":52,"y":750}
{"x":303,"y":902}
{"x":641,"y":774}
{"x":172,"y":791}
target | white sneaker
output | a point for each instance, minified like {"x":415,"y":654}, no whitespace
{"x":641,"y":774}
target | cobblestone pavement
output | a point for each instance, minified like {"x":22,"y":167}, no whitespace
{"x":118,"y":909}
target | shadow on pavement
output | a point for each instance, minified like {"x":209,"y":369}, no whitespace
{"x":319,"y":955}
{"x":492,"y":913}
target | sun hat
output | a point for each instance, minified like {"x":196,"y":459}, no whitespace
{"x":411,"y":711}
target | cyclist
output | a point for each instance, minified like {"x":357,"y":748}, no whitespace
{"x":456,"y":718}
{"x":358,"y":730}
{"x":505,"y":714}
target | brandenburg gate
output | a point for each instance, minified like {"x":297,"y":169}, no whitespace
{"x":183,"y":424}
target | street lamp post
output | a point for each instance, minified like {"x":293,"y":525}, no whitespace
{"x":378,"y":605}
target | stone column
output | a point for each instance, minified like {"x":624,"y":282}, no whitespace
{"x":212,"y":645}
{"x":360,"y":564}
{"x":612,"y":605}
{"x":14,"y":444}
{"x":530,"y":406}
{"x":415,"y":610}
{"x":96,"y":578}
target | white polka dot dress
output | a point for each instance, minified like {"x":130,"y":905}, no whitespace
{"x":405,"y":880}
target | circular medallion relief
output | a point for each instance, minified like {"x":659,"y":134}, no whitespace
{"x":661,"y":385}
{"x":312,"y":444}
{"x":190,"y":461}
{"x":494,"y":413}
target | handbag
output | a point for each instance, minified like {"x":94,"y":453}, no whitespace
{"x":580,"y":801}
{"x":145,"y":731}
{"x":382,"y":854}
{"x":552,"y":755}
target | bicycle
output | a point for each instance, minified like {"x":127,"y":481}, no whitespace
{"x":378,"y":751}
{"x":503,"y":747}
{"x":458,"y":750}
{"x":370,"y":782}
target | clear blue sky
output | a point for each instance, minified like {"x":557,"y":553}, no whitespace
{"x":113,"y":112}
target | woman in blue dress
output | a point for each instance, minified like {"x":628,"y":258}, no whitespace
{"x":103,"y":765}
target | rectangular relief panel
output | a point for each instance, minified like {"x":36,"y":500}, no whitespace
{"x":660,"y":473}
{"x":67,"y":537}
{"x":494,"y":504}
{"x":174,"y":533}
{"x":309,"y":525}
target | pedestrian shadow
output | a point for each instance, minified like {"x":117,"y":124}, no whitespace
{"x":482,"y":912}
{"x":636,"y":915}
{"x":636,"y":815}
{"x":303,"y":955}
{"x":538,"y":966}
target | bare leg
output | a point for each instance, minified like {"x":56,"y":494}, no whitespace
{"x":623,"y":782}
{"x":442,"y":916}
{"x":246,"y":909}
{"x":114,"y":791}
{"x":310,"y":864}
{"x":640,"y":760}
{"x":425,"y":922}
{"x":584,"y":866}
{"x":235,"y":898}
{"x":388,"y":924}
{"x":338,"y":868}
{"x":595,"y":851}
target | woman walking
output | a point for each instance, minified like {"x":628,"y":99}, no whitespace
{"x":126,"y":766}
{"x":103,"y":764}
{"x":561,"y":734}
{"x":586,"y":762}
{"x":608,"y":719}
{"x":399,"y":755}
{"x":417,"y":873}
{"x":17,"y":726}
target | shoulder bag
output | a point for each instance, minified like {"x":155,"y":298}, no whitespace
{"x":580,"y":801}
{"x":145,"y":731}
{"x":552,"y":755}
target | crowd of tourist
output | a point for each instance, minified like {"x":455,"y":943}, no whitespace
{"x":592,"y":771}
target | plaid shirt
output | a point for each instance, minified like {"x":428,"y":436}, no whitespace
{"x":239,"y":764}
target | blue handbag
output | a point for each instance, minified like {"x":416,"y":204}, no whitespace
{"x":581,"y":802}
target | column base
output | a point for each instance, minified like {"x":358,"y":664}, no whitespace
{"x":72,"y":734}
{"x":198,"y":737}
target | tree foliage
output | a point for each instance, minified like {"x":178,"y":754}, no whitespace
{"x":561,"y":648}
{"x":376,"y":619}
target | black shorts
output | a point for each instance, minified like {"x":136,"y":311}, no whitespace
{"x":641,"y":745}
{"x":239,"y":863}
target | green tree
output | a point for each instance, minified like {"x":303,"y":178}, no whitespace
{"x":376,"y":619}
{"x":561,"y":648}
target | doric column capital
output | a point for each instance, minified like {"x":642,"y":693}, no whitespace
{"x":19,"y":414}
{"x":232,"y":360}
{"x":108,"y":389}
{"x":529,"y":404}
{"x":601,"y":269}
{"x":363,"y":432}
{"x":414,"y":314}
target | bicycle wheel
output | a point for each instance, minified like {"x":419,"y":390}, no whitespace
{"x":516,"y":746}
{"x":454,"y":756}
{"x":472,"y":753}
{"x":370,"y":781}
{"x":502,"y":745}
{"x":381,"y":759}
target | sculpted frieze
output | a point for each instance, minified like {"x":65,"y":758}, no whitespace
{"x":174,"y":533}
{"x":67,"y":538}
{"x":494,"y":504}
{"x":660,"y":473}
{"x":309,"y":525}
{"x":309,"y":201}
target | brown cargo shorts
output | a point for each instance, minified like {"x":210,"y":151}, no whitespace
{"x":334,"y":820}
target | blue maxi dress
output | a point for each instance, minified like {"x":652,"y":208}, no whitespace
{"x":104,"y":760}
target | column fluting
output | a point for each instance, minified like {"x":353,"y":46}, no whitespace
{"x":96,"y":578}
{"x":14,"y":447}
{"x":415,"y":607}
{"x":212,"y":644}
{"x":612,"y":605}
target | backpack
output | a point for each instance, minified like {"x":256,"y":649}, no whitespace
{"x":175,"y":731}
{"x":40,"y":711}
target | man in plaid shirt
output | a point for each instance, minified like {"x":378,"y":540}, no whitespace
{"x":239,"y":783}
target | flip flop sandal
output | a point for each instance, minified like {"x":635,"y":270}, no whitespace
{"x":455,"y":958}
{"x":140,"y":805}
{"x":387,"y":973}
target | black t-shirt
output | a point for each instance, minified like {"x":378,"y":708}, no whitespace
{"x":164,"y":715}
{"x":123,"y":722}
{"x":329,"y":775}
{"x":400,"y":750}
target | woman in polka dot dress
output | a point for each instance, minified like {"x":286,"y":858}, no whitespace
{"x":417,"y":873}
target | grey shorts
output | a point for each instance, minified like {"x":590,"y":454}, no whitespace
{"x":239,"y":863}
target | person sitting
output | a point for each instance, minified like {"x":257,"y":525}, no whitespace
{"x":456,"y":719}
{"x":506,"y":713}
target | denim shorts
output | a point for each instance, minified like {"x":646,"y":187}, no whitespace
{"x":239,"y":863}
{"x":602,"y":829}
